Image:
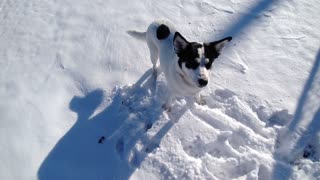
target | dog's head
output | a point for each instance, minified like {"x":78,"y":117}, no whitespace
{"x":195,"y":59}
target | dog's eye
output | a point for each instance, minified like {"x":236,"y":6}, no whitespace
{"x":208,"y":65}
{"x":192,"y":64}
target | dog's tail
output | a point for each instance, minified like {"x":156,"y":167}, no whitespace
{"x":138,"y":35}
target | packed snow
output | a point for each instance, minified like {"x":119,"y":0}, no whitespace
{"x":78,"y":99}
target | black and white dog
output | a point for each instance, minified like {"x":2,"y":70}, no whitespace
{"x":186,"y":65}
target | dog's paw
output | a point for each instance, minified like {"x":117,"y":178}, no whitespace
{"x":200,"y":100}
{"x":166,"y":107}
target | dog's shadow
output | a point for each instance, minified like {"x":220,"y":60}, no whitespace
{"x":113,"y":143}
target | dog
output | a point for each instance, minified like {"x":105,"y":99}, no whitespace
{"x":185,"y":64}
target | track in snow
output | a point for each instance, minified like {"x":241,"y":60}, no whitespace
{"x":227,"y":132}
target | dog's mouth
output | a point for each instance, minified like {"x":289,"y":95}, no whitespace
{"x":201,"y":86}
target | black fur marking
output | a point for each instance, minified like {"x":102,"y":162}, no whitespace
{"x":209,"y":64}
{"x":189,"y":55}
{"x":179,"y":42}
{"x":229,"y":38}
{"x":163,"y":32}
{"x":211,"y":52}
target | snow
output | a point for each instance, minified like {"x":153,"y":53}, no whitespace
{"x":70,"y":75}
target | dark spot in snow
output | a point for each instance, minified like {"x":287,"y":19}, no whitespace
{"x":101,"y":139}
{"x":308,"y":152}
{"x":148,"y":126}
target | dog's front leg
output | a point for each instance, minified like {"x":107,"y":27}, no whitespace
{"x":199,"y":99}
{"x":155,"y":72}
{"x":168,"y":103}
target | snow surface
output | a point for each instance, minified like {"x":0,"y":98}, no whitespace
{"x":78,"y":102}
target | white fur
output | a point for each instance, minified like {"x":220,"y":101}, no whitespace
{"x":181,"y":82}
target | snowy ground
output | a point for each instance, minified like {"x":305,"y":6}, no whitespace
{"x":70,"y":75}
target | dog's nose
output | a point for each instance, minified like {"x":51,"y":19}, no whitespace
{"x":203,"y":82}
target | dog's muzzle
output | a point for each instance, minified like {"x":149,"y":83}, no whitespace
{"x":202,"y":82}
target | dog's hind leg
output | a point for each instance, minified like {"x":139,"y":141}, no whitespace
{"x":154,"y":55}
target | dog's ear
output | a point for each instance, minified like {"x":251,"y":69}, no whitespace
{"x":179,"y":42}
{"x":219,"y":45}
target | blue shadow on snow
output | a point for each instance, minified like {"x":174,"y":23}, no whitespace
{"x":282,"y":168}
{"x":82,"y":154}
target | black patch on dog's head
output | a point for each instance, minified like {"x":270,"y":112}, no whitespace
{"x":186,"y":51}
{"x":189,"y":55}
{"x":212,"y":50}
{"x":163,"y":32}
{"x":211,"y":53}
